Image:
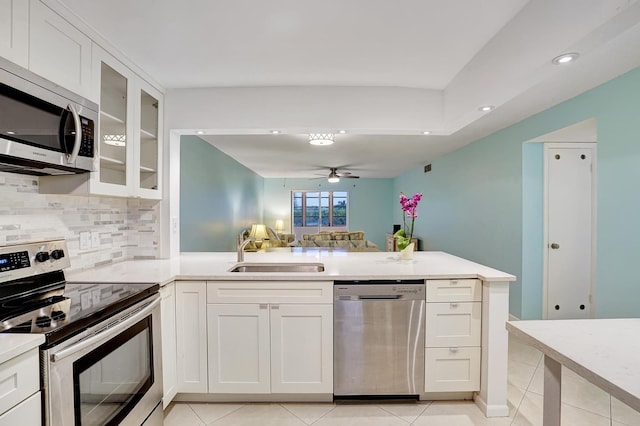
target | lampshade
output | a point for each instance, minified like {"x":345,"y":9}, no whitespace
{"x":258,"y":231}
{"x":279,"y":225}
{"x":321,"y":138}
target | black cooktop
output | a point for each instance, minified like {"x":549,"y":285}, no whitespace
{"x":80,"y":306}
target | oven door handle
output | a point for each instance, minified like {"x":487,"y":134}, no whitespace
{"x":107,"y":333}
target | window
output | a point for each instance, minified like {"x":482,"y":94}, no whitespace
{"x":322,"y":209}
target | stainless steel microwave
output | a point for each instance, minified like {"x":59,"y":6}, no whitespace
{"x":44,"y":128}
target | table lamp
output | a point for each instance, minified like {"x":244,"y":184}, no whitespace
{"x":259,"y":233}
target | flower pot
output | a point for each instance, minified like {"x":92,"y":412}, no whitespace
{"x":407,"y":253}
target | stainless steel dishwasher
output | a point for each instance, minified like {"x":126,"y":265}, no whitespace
{"x":378,"y":338}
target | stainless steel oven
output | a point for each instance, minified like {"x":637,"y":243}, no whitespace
{"x":110,"y":374}
{"x":101,"y":360}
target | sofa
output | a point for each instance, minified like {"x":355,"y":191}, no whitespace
{"x":348,"y":240}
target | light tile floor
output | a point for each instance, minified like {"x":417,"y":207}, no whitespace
{"x":582,"y":405}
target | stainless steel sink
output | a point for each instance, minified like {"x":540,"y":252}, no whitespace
{"x":277,"y":267}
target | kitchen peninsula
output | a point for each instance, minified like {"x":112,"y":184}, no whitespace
{"x":208,"y":274}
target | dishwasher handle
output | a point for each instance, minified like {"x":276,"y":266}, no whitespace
{"x":380,"y":297}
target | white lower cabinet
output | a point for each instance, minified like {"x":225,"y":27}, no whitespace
{"x":454,"y":369}
{"x":301,"y":348}
{"x":27,"y":413}
{"x":270,"y":347}
{"x":169,"y":347}
{"x":239,"y":359}
{"x":20,"y":390}
{"x":191,"y":336}
{"x":453,"y":316}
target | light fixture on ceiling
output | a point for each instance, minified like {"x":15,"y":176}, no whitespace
{"x":565,"y":58}
{"x":426,"y":132}
{"x":199,"y":132}
{"x":115,"y":140}
{"x":275,"y":132}
{"x":342,"y":132}
{"x":321,"y":139}
{"x":333,"y":177}
{"x":11,"y":132}
{"x":486,"y":108}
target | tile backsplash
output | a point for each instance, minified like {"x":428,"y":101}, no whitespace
{"x":125,"y":228}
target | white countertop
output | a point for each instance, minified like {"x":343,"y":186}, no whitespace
{"x":12,"y":345}
{"x":604,"y":351}
{"x":338,"y":265}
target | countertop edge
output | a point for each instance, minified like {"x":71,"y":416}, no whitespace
{"x":14,"y":345}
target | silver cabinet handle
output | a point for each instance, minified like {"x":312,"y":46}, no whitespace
{"x":264,"y":305}
{"x":275,"y":306}
{"x":453,"y":305}
{"x":453,"y":350}
{"x":555,"y":246}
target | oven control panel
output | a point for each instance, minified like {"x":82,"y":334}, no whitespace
{"x":14,"y":260}
{"x":25,"y":260}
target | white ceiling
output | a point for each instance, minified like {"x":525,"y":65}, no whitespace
{"x":468,"y":52}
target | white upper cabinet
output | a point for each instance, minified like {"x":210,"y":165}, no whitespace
{"x":128,"y":136}
{"x":148,"y":151}
{"x":14,"y":31}
{"x":129,"y":131}
{"x":58,"y":51}
{"x":115,"y":126}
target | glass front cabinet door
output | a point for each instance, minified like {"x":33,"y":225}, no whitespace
{"x":148,"y":152}
{"x":130,"y":126}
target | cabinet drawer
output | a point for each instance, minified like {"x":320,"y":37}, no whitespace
{"x":453,"y":324}
{"x":27,"y":413}
{"x":270,"y":292}
{"x":468,"y":290}
{"x":452,"y":369}
{"x":19,"y":378}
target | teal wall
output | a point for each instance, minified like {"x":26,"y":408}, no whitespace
{"x":473,"y":205}
{"x":369,"y":203}
{"x":532,"y":234}
{"x":218,"y":197}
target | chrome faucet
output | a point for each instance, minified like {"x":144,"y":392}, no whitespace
{"x":241,"y":246}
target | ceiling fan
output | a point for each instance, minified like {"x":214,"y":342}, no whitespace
{"x":334,"y":176}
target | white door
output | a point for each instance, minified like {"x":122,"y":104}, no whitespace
{"x":238,"y":348}
{"x":569,"y":229}
{"x":301,"y":348}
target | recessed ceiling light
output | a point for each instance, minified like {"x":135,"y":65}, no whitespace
{"x":321,"y":138}
{"x":426,"y":132}
{"x":9,"y":132}
{"x":486,"y":108}
{"x":342,"y":132}
{"x":275,"y":132}
{"x":200,"y":132}
{"x":565,"y":58}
